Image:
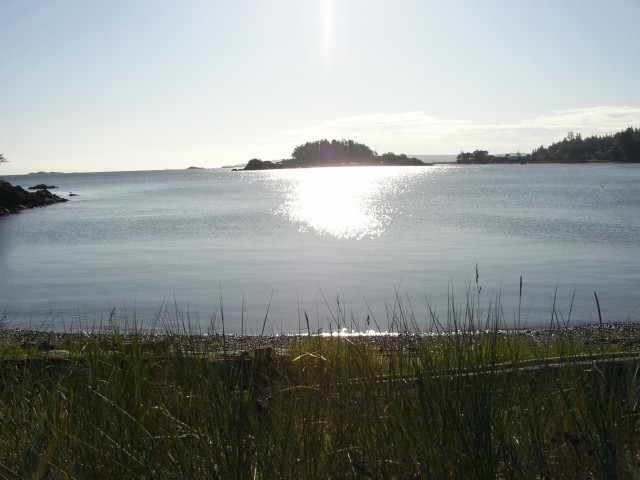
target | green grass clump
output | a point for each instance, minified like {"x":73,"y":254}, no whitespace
{"x":457,"y":404}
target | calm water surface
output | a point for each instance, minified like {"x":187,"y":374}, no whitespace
{"x":189,"y":247}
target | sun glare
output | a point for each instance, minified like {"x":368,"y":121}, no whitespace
{"x":345,"y":202}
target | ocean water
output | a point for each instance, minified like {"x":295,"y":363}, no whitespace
{"x":358,"y":248}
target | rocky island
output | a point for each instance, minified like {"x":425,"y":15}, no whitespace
{"x":15,"y":198}
{"x":334,"y":153}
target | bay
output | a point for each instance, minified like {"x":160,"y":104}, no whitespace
{"x":185,"y":249}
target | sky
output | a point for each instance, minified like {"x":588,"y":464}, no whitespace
{"x":107,"y":85}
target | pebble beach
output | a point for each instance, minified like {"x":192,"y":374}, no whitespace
{"x":624,"y":336}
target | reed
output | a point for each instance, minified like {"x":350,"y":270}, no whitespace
{"x":454,"y":403}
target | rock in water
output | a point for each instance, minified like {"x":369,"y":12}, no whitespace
{"x":13,"y":199}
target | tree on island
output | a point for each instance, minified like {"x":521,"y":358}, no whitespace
{"x":629,"y":144}
{"x":2,"y":160}
{"x":323,"y":152}
{"x":334,"y":153}
{"x":621,"y":147}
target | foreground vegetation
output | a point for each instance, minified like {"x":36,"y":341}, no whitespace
{"x":460,"y":404}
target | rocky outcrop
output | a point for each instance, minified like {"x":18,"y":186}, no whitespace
{"x":13,"y":199}
{"x":42,"y":186}
{"x":255,"y":164}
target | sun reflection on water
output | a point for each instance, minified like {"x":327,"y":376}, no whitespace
{"x":346,"y":202}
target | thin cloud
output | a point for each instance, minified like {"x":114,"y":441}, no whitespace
{"x":418,"y":132}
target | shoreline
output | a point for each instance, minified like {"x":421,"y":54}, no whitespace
{"x":625,"y":336}
{"x":14,"y":199}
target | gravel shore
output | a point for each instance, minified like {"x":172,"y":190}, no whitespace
{"x":625,"y":336}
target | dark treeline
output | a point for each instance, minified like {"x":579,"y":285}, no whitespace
{"x":334,"y":153}
{"x":322,"y":152}
{"x":621,"y":147}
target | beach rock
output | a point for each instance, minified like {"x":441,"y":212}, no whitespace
{"x":13,"y":199}
{"x":42,"y":186}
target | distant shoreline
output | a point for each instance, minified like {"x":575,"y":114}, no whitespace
{"x":622,"y":147}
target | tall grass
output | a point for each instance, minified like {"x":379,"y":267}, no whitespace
{"x":456,"y":403}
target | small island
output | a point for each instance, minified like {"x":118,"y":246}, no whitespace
{"x":334,"y":153}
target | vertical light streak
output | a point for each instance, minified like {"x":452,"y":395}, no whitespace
{"x":326,"y":21}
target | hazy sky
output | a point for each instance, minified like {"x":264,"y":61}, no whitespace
{"x":89,"y":85}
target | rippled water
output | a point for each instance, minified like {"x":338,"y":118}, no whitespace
{"x":339,"y":244}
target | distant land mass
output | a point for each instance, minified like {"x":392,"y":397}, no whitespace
{"x":436,"y":158}
{"x":334,"y":153}
{"x":621,"y":147}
